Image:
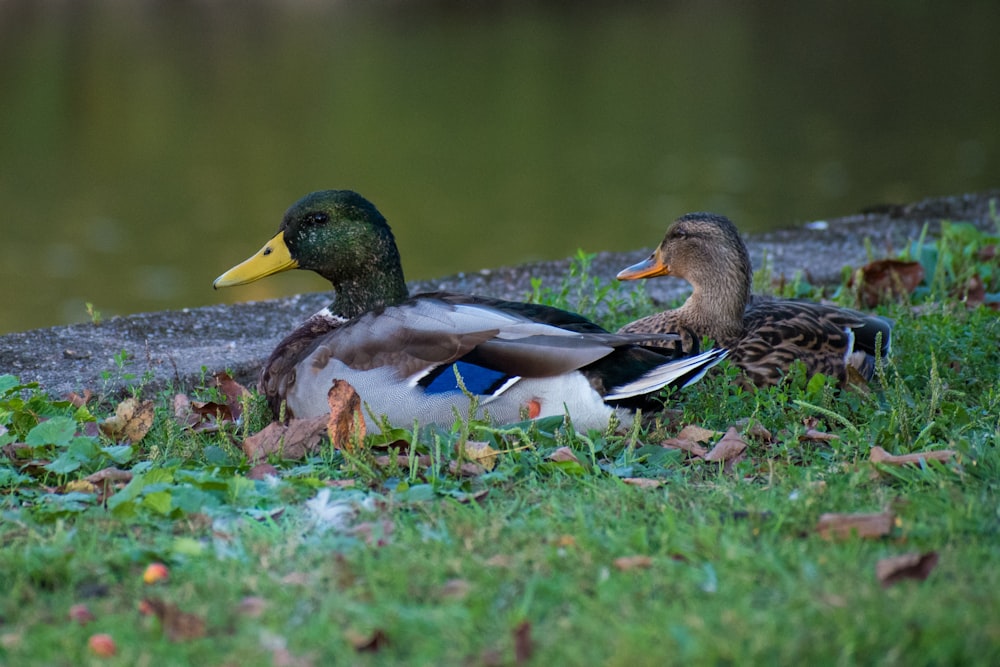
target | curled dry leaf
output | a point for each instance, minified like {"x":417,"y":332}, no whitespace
{"x":689,"y":446}
{"x":292,"y":440}
{"x":728,"y":448}
{"x":346,"y":425}
{"x":643,"y":482}
{"x":262,"y":470}
{"x":879,"y":455}
{"x":466,"y":469}
{"x":79,"y":400}
{"x":886,"y":279}
{"x":563,"y":454}
{"x":697,"y":433}
{"x":234,"y":392}
{"x":178,"y":625}
{"x":626,"y":563}
{"x":908,"y":566}
{"x":812,"y":435}
{"x":842,"y":526}
{"x":131,"y":422}
{"x":478,"y":452}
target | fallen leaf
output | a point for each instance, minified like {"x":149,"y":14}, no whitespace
{"x":366,"y":643}
{"x":79,"y":486}
{"x":131,"y":422}
{"x":78,"y":400}
{"x":108,"y":481}
{"x":842,"y":526}
{"x":697,"y":433}
{"x":879,"y":455}
{"x":974,"y":293}
{"x":346,"y":424}
{"x":812,"y":435}
{"x":478,"y":452}
{"x":292,"y":440}
{"x":908,"y":566}
{"x":643,"y":482}
{"x":178,"y":625}
{"x":689,"y":446}
{"x":626,"y":563}
{"x":728,"y":448}
{"x":234,"y":392}
{"x":524,"y":647}
{"x":466,"y":469}
{"x":261,"y":471}
{"x":563,"y":454}
{"x":886,"y":279}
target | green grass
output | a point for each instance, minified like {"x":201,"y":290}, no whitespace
{"x":445,"y":575}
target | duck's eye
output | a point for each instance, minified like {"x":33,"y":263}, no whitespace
{"x":678,"y":234}
{"x":317,"y":218}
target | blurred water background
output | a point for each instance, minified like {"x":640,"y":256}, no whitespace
{"x":146,"y":146}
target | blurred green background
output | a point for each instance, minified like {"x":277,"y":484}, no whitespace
{"x":147,"y":146}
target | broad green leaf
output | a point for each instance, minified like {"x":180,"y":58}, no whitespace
{"x":57,"y":431}
{"x":118,"y":453}
{"x":159,"y":501}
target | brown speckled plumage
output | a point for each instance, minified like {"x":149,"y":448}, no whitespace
{"x":764,"y":335}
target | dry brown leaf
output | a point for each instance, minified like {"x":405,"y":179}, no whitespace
{"x":842,"y":526}
{"x":478,"y":452}
{"x":879,"y":455}
{"x":689,"y":446}
{"x":347,"y":423}
{"x":366,"y":642}
{"x":643,"y":482}
{"x":812,"y":435}
{"x":78,"y":400}
{"x":886,"y":279}
{"x":467,"y":469}
{"x":697,"y":433}
{"x":131,"y":422}
{"x":564,"y":541}
{"x":728,"y":448}
{"x":563,"y":454}
{"x":178,"y":625}
{"x":524,"y":647}
{"x":262,"y":470}
{"x":626,"y":563}
{"x":908,"y":566}
{"x":292,"y":440}
{"x":183,"y":413}
{"x":234,"y":392}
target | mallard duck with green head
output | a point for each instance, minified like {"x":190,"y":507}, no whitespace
{"x":764,"y":335}
{"x":420,"y":358}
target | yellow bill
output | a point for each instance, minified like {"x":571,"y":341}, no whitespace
{"x":273,"y":258}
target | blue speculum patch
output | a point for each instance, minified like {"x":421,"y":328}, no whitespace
{"x":477,"y":379}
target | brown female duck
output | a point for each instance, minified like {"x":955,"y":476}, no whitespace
{"x":764,"y":335}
